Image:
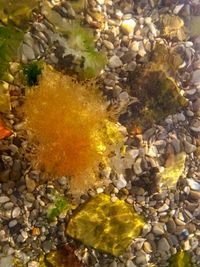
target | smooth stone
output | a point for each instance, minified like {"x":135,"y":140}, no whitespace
{"x":147,"y":247}
{"x":128,"y":26}
{"x":4,"y":199}
{"x":121,"y":182}
{"x":193,"y":184}
{"x":137,"y":166}
{"x":28,"y":52}
{"x":194,"y":195}
{"x":158,"y":229}
{"x":30,"y":184}
{"x":12,"y":223}
{"x":8,"y":206}
{"x":189,"y":148}
{"x":115,"y":62}
{"x":163,"y":245}
{"x":16,"y":212}
{"x":108,"y":45}
{"x":163,"y":208}
{"x":129,"y":263}
{"x":171,"y":226}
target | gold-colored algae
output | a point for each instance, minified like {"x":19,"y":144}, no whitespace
{"x":106,"y":225}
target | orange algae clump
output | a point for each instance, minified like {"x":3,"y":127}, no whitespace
{"x":67,"y":120}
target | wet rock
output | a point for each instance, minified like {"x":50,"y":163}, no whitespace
{"x":115,"y":62}
{"x":105,"y":225}
{"x":128,"y":26}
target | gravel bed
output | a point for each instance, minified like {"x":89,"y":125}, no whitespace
{"x":127,"y":35}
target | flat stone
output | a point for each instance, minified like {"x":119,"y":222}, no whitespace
{"x":171,"y":226}
{"x":115,"y":62}
{"x":193,"y":184}
{"x":105,"y":225}
{"x":163,"y":245}
{"x":4,"y":199}
{"x":121,"y":182}
{"x":28,"y":52}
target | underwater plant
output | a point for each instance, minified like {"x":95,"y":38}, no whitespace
{"x":70,"y":126}
{"x":31,"y":72}
{"x":79,"y":44}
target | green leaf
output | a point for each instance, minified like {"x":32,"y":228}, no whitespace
{"x":60,"y":205}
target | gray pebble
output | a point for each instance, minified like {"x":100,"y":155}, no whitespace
{"x":189,"y":148}
{"x":115,"y":62}
{"x":12,"y":223}
{"x":46,"y":246}
{"x":28,"y":52}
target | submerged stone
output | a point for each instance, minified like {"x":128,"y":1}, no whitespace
{"x":172,"y":26}
{"x":180,"y":259}
{"x":174,"y":167}
{"x":63,"y":257}
{"x":154,"y":85}
{"x":105,"y":225}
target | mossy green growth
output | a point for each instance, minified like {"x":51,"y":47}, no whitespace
{"x":79,"y":44}
{"x":155,"y":87}
{"x":180,"y":259}
{"x":10,"y":39}
{"x":60,"y":205}
{"x":17,"y":12}
{"x":31,"y":72}
{"x":105,"y":225}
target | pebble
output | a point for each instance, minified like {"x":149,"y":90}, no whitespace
{"x":28,"y":53}
{"x":108,"y":45}
{"x":115,"y":62}
{"x":164,"y":207}
{"x":163,"y":246}
{"x":33,"y":264}
{"x":171,"y":226}
{"x":30,"y":184}
{"x":4,"y":199}
{"x":16,"y":212}
{"x":137,"y":166}
{"x":189,"y":148}
{"x":128,"y":26}
{"x":121,"y":182}
{"x":46,"y":245}
{"x":158,"y":229}
{"x":12,"y":223}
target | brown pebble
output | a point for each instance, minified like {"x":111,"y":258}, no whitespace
{"x":171,"y":226}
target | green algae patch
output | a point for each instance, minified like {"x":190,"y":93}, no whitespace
{"x":174,"y":167}
{"x":105,"y":225}
{"x":155,"y":88}
{"x":17,"y":12}
{"x":180,"y":259}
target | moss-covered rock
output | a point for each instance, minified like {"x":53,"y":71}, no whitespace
{"x":180,"y":259}
{"x":105,"y":225}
